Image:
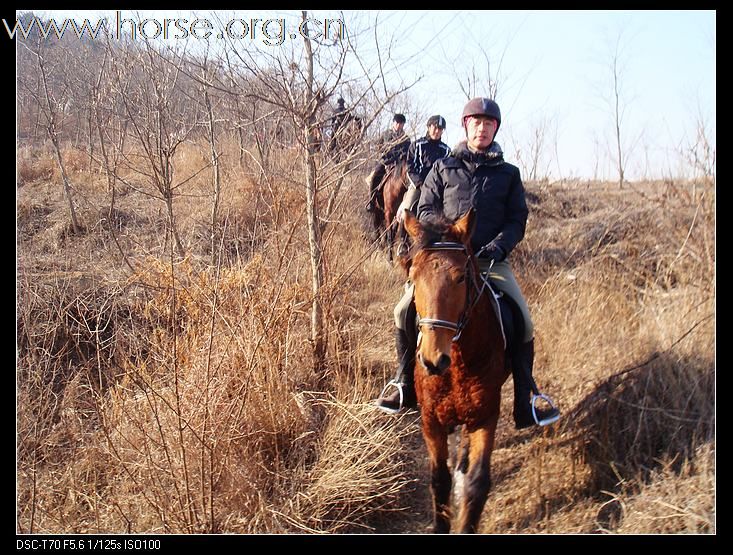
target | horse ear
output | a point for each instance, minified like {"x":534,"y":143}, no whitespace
{"x":412,"y":226}
{"x":465,"y":225}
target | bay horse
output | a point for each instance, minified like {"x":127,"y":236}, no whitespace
{"x":394,"y":186}
{"x":460,"y":364}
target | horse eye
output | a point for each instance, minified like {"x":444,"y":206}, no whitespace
{"x":461,"y":279}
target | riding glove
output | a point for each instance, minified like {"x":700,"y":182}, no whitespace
{"x":492,"y":251}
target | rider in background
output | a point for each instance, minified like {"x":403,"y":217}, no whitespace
{"x":393,"y":145}
{"x":339,"y":116}
{"x":420,"y":158}
{"x":340,"y":128}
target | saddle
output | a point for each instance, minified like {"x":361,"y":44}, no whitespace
{"x":510,"y":317}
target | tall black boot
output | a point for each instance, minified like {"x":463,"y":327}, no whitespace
{"x":524,"y":387}
{"x":403,"y":386}
{"x":375,"y":180}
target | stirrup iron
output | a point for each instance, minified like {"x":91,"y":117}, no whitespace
{"x":546,"y":421}
{"x":398,"y":385}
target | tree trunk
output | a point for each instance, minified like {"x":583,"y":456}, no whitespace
{"x":177,"y":245}
{"x":618,"y":126}
{"x":51,"y":129}
{"x":67,"y":187}
{"x":314,"y":235}
{"x":217,"y":183}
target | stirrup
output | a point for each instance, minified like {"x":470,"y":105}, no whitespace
{"x":545,"y":421}
{"x":388,"y":410}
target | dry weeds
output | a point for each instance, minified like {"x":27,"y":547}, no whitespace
{"x":174,"y":396}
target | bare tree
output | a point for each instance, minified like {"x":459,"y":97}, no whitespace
{"x":160,"y":118}
{"x":533,"y":160}
{"x":284,"y":95}
{"x":53,"y":103}
{"x":618,"y":102}
{"x":485,"y":74}
{"x":700,"y":150}
{"x":111,"y":132}
{"x":617,"y":115}
{"x":481,"y":81}
{"x":208,"y":71}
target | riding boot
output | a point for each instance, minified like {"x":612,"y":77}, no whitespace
{"x":370,"y":203}
{"x":403,"y":394}
{"x":524,"y":386}
{"x":374,"y":180}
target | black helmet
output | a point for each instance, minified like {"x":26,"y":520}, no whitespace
{"x":399,"y":118}
{"x":437,"y":120}
{"x":484,"y":107}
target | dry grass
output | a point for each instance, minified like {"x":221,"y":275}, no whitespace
{"x":623,"y":301}
{"x":176,"y":397}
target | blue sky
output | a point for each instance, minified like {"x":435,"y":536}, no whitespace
{"x":551,"y":67}
{"x":556,"y":66}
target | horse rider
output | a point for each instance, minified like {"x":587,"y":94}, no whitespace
{"x":475,"y":175}
{"x":393,"y":145}
{"x":341,"y":117}
{"x":420,"y":158}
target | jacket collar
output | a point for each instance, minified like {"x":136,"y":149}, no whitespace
{"x":492,"y":156}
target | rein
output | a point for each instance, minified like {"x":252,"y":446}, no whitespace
{"x":457,"y":327}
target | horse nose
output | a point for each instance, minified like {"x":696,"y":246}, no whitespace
{"x":435,"y":369}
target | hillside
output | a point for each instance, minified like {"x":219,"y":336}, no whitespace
{"x":159,"y":393}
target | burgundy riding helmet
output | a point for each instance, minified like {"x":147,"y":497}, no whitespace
{"x":481,"y":107}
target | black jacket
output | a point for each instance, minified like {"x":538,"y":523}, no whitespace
{"x":421,"y":156}
{"x":483,"y":181}
{"x":393,"y":147}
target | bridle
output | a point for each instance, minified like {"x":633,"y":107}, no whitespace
{"x":469,"y":304}
{"x":458,"y":327}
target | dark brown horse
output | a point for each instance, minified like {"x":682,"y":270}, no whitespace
{"x":460,"y":364}
{"x":346,"y":135}
{"x":394,"y":186}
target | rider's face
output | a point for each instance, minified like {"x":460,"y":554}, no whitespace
{"x":434,"y":132}
{"x":480,"y":131}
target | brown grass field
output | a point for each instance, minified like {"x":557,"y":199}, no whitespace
{"x":165,"y":395}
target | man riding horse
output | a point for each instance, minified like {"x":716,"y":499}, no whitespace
{"x":475,"y":176}
{"x":393,"y":145}
{"x":420,"y":158}
{"x":345,"y":128}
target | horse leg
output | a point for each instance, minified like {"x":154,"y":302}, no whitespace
{"x":390,"y":238}
{"x":478,"y":478}
{"x":460,"y":466}
{"x":376,"y":221}
{"x":436,"y":441}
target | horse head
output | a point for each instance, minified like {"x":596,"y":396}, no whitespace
{"x":442,"y":271}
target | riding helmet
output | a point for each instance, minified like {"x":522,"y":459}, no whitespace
{"x":482,"y":106}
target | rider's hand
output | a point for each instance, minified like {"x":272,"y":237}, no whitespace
{"x":494,"y":252}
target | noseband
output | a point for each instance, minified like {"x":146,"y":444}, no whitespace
{"x":457,"y":327}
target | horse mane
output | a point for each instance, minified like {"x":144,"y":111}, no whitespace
{"x":438,"y":228}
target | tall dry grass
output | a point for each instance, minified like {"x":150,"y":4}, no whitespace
{"x":622,"y":290}
{"x":174,"y":396}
